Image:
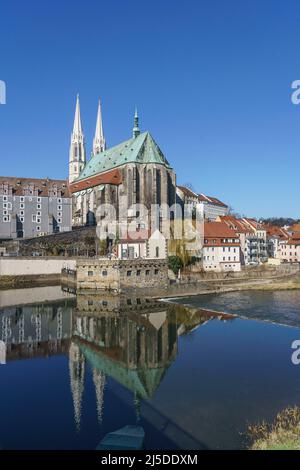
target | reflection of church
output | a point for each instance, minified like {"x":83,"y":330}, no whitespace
{"x":131,"y":340}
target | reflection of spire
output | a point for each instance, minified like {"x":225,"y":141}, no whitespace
{"x":137,"y":406}
{"x":99,"y":382}
{"x":77,"y":374}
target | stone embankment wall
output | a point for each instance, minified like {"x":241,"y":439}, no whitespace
{"x":194,"y":274}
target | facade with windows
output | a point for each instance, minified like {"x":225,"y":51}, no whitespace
{"x":33,"y":207}
{"x":221,"y":248}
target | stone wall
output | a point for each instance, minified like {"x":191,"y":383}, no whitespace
{"x":121,"y":275}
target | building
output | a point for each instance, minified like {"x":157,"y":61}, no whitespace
{"x":289,"y":251}
{"x":221,"y":249}
{"x":120,"y":275}
{"x":32,"y":207}
{"x":256,"y":241}
{"x":210,"y":207}
{"x":275,"y":237}
{"x":143,"y":245}
{"x":132,"y":172}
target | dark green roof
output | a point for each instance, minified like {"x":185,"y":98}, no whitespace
{"x":142,"y":149}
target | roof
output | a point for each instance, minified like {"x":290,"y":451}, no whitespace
{"x":295,"y":239}
{"x":187,"y":192}
{"x":141,"y":149}
{"x":42,"y":186}
{"x":218,"y":230}
{"x":201,"y":197}
{"x":295,"y":227}
{"x":110,"y":177}
{"x":235,"y":224}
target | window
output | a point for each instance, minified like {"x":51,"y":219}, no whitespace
{"x":33,"y":218}
{"x":38,"y":220}
{"x":39,"y":213}
{"x":90,"y":273}
{"x":22,"y":199}
{"x":38,"y":228}
{"x":21,"y":212}
{"x":6,"y":218}
{"x":104,"y":273}
{"x":59,"y":208}
{"x":22,"y":219}
{"x":4,"y":198}
{"x":59,"y":220}
{"x":156,"y":272}
{"x":38,"y":206}
{"x":39,"y":199}
{"x":157,"y":251}
{"x":138,"y":273}
{"x":128,"y":273}
{"x":22,"y":205}
{"x":147,"y":272}
{"x":59,"y":214}
{"x":5,"y":205}
{"x":59,"y":200}
{"x":5,"y":212}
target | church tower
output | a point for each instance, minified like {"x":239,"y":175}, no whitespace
{"x":77,"y":158}
{"x":99,"y":139}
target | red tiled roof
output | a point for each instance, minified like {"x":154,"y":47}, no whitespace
{"x":218,"y":230}
{"x":111,"y":177}
{"x":41,"y":186}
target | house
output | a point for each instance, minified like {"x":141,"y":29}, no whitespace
{"x":142,"y":244}
{"x":211,"y":207}
{"x":290,"y":249}
{"x":221,"y":248}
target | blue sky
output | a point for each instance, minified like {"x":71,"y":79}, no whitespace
{"x":211,"y":79}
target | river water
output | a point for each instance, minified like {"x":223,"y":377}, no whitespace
{"x":75,"y":368}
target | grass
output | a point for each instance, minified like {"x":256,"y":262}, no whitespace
{"x":283,"y":434}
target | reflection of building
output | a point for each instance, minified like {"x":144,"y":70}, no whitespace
{"x":131,"y":340}
{"x":2,"y":352}
{"x":36,"y":330}
{"x":77,"y":376}
{"x":133,"y":348}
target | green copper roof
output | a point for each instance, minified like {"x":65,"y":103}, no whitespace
{"x":142,"y":149}
{"x":140,"y":380}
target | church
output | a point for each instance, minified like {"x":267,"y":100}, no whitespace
{"x":133,"y":172}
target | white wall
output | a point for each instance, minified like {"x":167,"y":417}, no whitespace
{"x":34,"y":266}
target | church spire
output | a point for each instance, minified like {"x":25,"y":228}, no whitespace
{"x":99,"y":139}
{"x":77,"y":156}
{"x":136,"y":130}
{"x":77,"y":128}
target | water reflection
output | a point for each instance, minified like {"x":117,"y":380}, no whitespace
{"x":131,"y":340}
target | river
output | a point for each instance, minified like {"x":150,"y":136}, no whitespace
{"x":75,"y":368}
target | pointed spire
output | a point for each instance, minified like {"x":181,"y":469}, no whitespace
{"x":77,"y":154}
{"x":99,"y":139}
{"x":77,"y":128}
{"x":136,"y":130}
